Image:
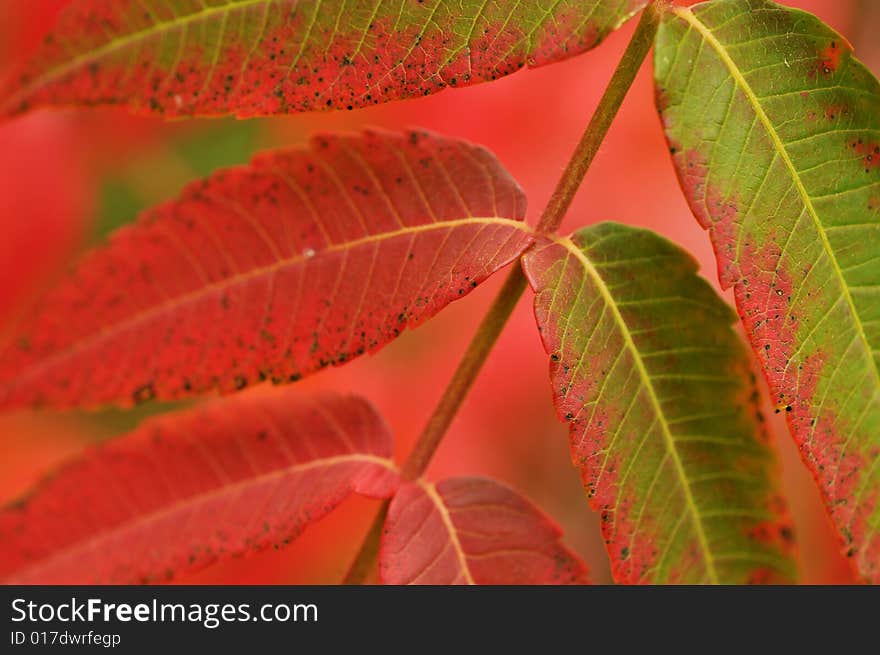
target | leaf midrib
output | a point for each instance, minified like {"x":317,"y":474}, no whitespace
{"x":121,"y":43}
{"x":689,"y":17}
{"x":668,"y":439}
{"x":200,"y":499}
{"x":431,"y":491}
{"x":240,"y":278}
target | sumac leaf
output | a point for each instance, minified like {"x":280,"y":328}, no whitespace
{"x":188,"y":489}
{"x":303,"y":259}
{"x":472,"y":531}
{"x":263,"y":57}
{"x":664,"y":426}
{"x":775,"y":129}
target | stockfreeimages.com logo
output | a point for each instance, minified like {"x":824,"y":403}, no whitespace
{"x":209,"y":615}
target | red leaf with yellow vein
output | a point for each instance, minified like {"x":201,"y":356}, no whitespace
{"x":302,"y":259}
{"x":189,"y":489}
{"x":472,"y":531}
{"x":263,"y":57}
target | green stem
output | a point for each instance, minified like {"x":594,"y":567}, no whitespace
{"x":507,"y":298}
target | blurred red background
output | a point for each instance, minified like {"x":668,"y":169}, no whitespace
{"x":66,"y":178}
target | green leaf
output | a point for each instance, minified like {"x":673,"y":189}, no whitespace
{"x":663,"y":422}
{"x":775,"y":131}
{"x":263,"y":57}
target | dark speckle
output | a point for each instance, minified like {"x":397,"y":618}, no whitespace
{"x":144,"y":394}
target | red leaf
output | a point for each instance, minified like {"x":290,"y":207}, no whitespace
{"x":188,"y":489}
{"x":263,"y":57}
{"x":472,"y":531}
{"x":303,"y":259}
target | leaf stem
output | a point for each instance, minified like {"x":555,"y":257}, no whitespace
{"x":365,"y":561}
{"x":455,"y":393}
{"x":493,"y":323}
{"x":466,"y":373}
{"x":594,"y":135}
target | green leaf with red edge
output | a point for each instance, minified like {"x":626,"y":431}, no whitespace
{"x":472,"y":531}
{"x":775,"y":129}
{"x":264,"y":57}
{"x":188,"y":489}
{"x":663,"y":420}
{"x":303,"y":259}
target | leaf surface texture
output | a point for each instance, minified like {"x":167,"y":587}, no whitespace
{"x":663,"y":421}
{"x":265,"y":57}
{"x":472,"y":531}
{"x":775,"y":129}
{"x":189,"y":489}
{"x":302,"y":259}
